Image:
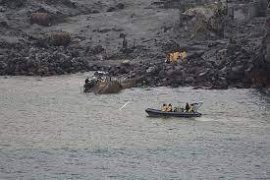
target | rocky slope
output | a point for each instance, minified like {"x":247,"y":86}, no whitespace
{"x":130,"y":40}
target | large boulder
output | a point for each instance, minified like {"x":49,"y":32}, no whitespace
{"x":260,"y":75}
{"x":108,"y":87}
{"x":207,"y":18}
{"x":103,"y":87}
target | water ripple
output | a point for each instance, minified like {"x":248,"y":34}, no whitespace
{"x":51,"y":130}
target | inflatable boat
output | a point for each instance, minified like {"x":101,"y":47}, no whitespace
{"x":159,"y":113}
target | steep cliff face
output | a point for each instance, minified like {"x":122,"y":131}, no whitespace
{"x":266,"y":43}
{"x":99,"y":87}
{"x":261,"y":74}
{"x":266,"y":58}
{"x":226,"y":42}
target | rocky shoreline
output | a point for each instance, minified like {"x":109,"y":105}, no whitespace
{"x":238,"y":57}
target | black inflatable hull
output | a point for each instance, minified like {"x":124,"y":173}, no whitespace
{"x":159,"y":113}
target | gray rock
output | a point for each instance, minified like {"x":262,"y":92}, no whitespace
{"x":238,"y":69}
{"x":2,"y":9}
{"x":151,"y":70}
{"x":3,"y":20}
{"x":170,"y":72}
{"x":126,"y":63}
{"x":250,"y":68}
{"x":202,"y":74}
{"x":189,"y":80}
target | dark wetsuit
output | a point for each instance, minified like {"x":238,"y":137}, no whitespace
{"x":187,"y":107}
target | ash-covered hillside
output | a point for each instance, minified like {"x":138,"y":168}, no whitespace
{"x":226,"y":42}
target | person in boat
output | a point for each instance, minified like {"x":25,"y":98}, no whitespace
{"x":187,"y":108}
{"x":86,"y":81}
{"x":164,"y":108}
{"x":191,"y":108}
{"x":169,"y":109}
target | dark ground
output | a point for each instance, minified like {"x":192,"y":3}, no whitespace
{"x":237,"y":57}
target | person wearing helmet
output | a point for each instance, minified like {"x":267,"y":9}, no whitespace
{"x":187,"y":108}
{"x":169,"y":109}
{"x":164,"y":108}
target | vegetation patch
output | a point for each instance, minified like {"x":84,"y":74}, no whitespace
{"x":60,"y":38}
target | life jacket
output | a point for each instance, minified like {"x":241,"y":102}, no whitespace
{"x":164,"y":108}
{"x":174,"y":57}
{"x":169,"y":109}
{"x":190,"y":109}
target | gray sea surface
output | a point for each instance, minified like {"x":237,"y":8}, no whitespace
{"x":50,"y":129}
